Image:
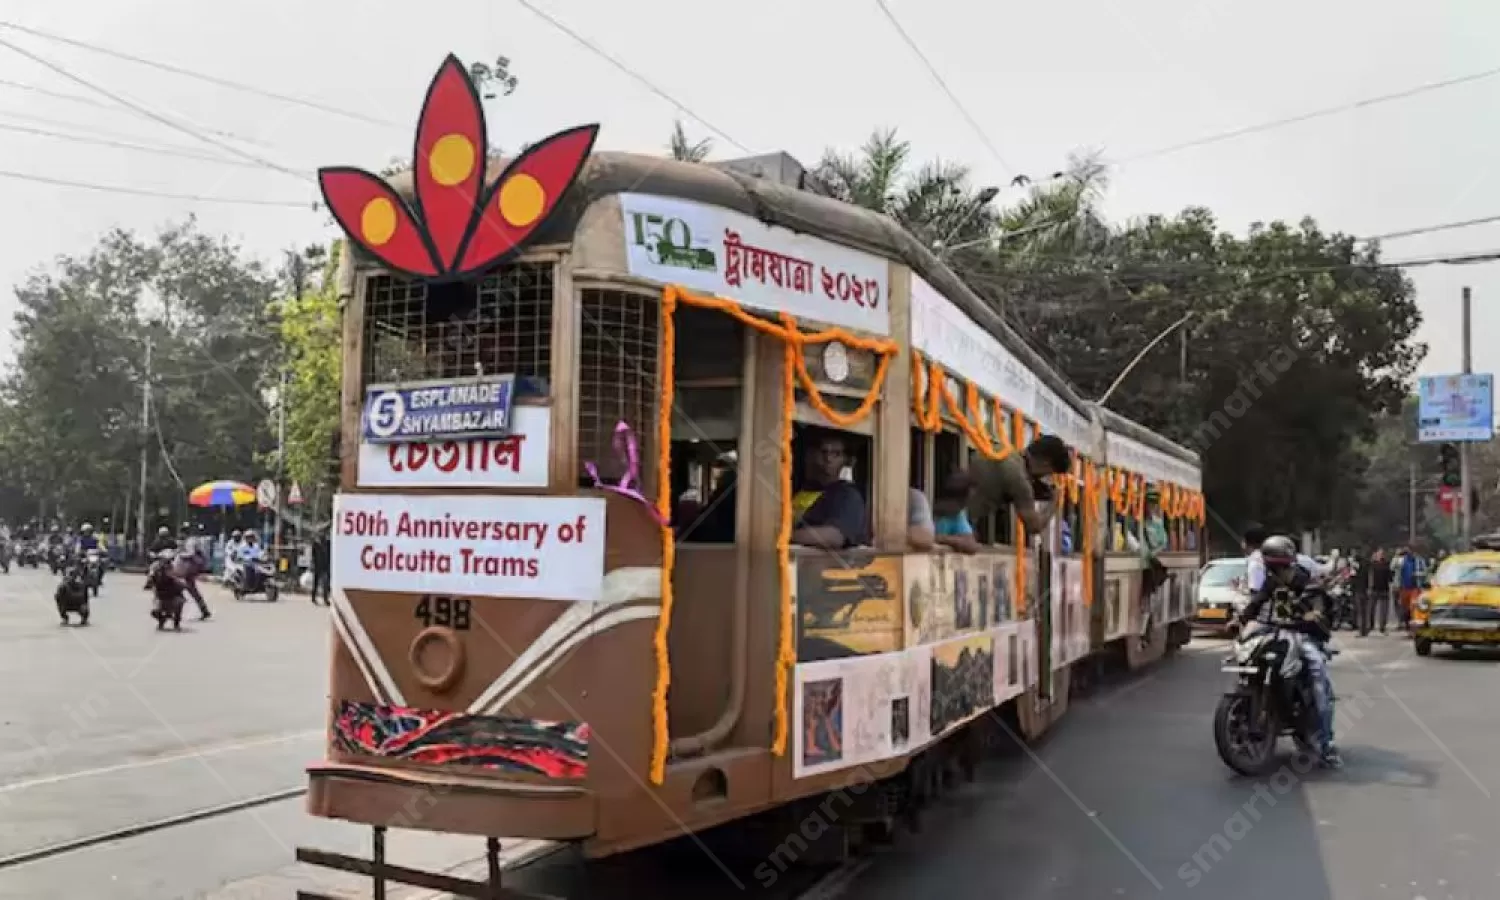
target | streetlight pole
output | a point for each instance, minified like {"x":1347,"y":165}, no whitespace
{"x":1465,"y":489}
{"x":140,"y":518}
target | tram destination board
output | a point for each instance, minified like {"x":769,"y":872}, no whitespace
{"x":439,"y":410}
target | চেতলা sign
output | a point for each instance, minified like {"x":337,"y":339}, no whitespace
{"x":547,"y":547}
{"x":518,"y":459}
{"x":432,"y":411}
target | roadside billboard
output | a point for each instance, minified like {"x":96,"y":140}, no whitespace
{"x":1455,"y":407}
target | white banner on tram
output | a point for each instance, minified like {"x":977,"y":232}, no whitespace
{"x":1155,"y":465}
{"x":945,"y":333}
{"x":475,"y":546}
{"x":722,"y":252}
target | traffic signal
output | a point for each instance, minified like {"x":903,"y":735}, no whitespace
{"x":1448,"y":453}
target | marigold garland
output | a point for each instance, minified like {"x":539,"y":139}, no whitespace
{"x":794,"y":368}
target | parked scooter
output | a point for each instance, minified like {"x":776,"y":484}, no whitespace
{"x":72,"y":595}
{"x":168,"y":591}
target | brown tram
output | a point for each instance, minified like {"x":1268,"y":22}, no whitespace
{"x":526,"y":643}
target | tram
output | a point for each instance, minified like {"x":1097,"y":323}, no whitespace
{"x":552,"y":366}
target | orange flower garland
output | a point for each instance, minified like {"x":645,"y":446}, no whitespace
{"x":794,"y":367}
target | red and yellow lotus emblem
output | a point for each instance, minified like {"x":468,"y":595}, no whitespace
{"x":459,"y":226}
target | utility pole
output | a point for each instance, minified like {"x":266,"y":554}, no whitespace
{"x":297,"y":268}
{"x":1411,"y":508}
{"x":1466,"y":512}
{"x":140,"y":517}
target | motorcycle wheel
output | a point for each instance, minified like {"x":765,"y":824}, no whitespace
{"x":1232,"y":737}
{"x":273,"y":593}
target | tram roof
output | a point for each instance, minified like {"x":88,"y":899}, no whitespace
{"x":608,"y":173}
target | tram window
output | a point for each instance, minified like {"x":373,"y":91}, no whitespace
{"x":616,"y":380}
{"x":499,"y":324}
{"x":706,"y":423}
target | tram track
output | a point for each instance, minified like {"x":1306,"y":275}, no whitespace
{"x":141,"y":829}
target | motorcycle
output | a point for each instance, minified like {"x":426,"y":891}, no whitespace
{"x":57,"y":558}
{"x":1341,"y":606}
{"x":26,"y":555}
{"x":249,"y":578}
{"x":94,"y":568}
{"x":1272,"y":697}
{"x":168,"y":590}
{"x":72,"y":595}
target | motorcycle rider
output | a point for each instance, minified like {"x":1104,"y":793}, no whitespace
{"x":163,"y":541}
{"x":1281,"y":566}
{"x":192,"y":560}
{"x":250,"y":555}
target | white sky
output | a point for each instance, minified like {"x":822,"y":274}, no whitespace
{"x":1042,"y":79}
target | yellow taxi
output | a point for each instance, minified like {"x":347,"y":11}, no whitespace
{"x":1460,"y":605}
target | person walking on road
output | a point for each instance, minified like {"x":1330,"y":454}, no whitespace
{"x":322,"y":569}
{"x":1406,"y":576}
{"x":1375,"y":599}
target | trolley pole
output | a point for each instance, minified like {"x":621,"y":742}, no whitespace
{"x":1466,"y":513}
{"x":140,"y":517}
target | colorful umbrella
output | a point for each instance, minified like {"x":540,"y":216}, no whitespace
{"x":222,"y":493}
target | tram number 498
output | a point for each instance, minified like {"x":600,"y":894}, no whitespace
{"x":452,"y":612}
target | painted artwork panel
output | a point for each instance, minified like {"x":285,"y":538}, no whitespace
{"x":880,"y":701}
{"x":438,"y":737}
{"x":949,"y":595}
{"x":847,"y":606}
{"x":822,"y":722}
{"x":963,"y":681}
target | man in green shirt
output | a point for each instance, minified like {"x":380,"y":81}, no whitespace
{"x":1019,"y":482}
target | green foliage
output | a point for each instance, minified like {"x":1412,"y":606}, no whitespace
{"x":70,"y":435}
{"x":687,"y":150}
{"x":311,"y":329}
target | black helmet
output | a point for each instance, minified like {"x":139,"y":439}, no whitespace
{"x":1278,"y":551}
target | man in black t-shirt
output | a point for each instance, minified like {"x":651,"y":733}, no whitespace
{"x":1376,"y":599}
{"x":828,"y":512}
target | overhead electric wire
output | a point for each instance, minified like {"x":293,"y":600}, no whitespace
{"x":151,"y":114}
{"x":99,"y":104}
{"x":1433,"y":229}
{"x":201,"y":76}
{"x":144,"y":192}
{"x":1324,"y":112}
{"x":936,"y":76}
{"x":125,"y":145}
{"x":631,"y":73}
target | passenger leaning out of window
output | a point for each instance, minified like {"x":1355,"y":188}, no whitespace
{"x":828,"y":512}
{"x":1019,"y":482}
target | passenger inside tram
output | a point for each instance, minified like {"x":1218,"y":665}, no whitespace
{"x":828,"y":511}
{"x":921,"y":533}
{"x":951,"y":520}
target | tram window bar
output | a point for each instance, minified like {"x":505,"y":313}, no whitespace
{"x":498,"y":324}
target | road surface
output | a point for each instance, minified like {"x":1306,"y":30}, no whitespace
{"x":115,"y":725}
{"x":1128,"y":800}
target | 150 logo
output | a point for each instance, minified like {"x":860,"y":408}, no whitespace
{"x":669,"y":242}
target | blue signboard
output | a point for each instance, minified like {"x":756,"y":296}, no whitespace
{"x":1455,"y":408}
{"x":439,"y":410}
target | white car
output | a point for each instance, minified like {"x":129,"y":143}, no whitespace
{"x":1223,"y":591}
